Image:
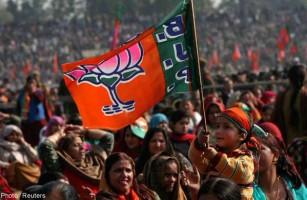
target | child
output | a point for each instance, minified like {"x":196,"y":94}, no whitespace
{"x":229,"y":158}
{"x":180,"y":137}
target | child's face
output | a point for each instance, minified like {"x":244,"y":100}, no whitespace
{"x":228,"y":136}
{"x":182,"y":126}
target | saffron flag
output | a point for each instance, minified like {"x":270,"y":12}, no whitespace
{"x":255,"y":61}
{"x":283,"y":38}
{"x":115,"y":40}
{"x":114,"y":89}
{"x":236,"y":55}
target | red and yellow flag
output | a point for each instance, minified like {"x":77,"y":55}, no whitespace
{"x":114,"y":89}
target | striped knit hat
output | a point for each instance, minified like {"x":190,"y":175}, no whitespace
{"x":239,"y":118}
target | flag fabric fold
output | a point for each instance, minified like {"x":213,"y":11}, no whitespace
{"x":114,"y":89}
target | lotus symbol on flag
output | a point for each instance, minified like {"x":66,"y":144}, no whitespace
{"x":121,"y":68}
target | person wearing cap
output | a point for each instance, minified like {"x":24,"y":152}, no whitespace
{"x":229,"y":158}
{"x":132,"y":138}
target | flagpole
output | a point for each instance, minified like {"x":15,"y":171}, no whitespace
{"x":201,"y":91}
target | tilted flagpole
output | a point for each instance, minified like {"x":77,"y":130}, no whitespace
{"x":201,"y":91}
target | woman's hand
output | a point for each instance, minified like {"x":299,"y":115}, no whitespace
{"x":191,"y":179}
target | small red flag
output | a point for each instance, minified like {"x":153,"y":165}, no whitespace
{"x":255,"y":59}
{"x":236,"y":55}
{"x":283,"y":38}
{"x":115,"y":40}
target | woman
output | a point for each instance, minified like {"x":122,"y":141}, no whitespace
{"x":119,"y":182}
{"x":83,"y":169}
{"x":155,"y":142}
{"x":162,"y":174}
{"x":20,"y":160}
{"x":54,"y":124}
{"x":219,"y":189}
{"x":277,"y":175}
{"x":132,"y":138}
{"x":33,"y":108}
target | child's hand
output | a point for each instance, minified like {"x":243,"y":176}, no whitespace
{"x":203,"y":137}
{"x":210,"y":152}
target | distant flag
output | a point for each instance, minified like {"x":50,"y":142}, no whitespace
{"x":55,"y":67}
{"x":115,"y":40}
{"x":283,"y":38}
{"x":214,"y":60}
{"x":236,"y":54}
{"x":117,"y":23}
{"x":255,"y":61}
{"x":215,"y":57}
{"x":114,"y":89}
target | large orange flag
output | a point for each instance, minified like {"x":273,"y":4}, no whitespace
{"x":114,"y":89}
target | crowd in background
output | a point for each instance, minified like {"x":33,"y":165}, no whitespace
{"x":253,"y":142}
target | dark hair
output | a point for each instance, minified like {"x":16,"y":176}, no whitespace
{"x":153,"y":170}
{"x":223,"y":189}
{"x":66,"y":191}
{"x":285,"y":165}
{"x":177,"y":115}
{"x":111,"y":160}
{"x":50,"y":176}
{"x":296,"y":75}
{"x":65,"y":142}
{"x":145,"y":154}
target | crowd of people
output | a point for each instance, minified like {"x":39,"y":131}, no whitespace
{"x":253,"y":146}
{"x":252,"y":143}
{"x":36,"y":43}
